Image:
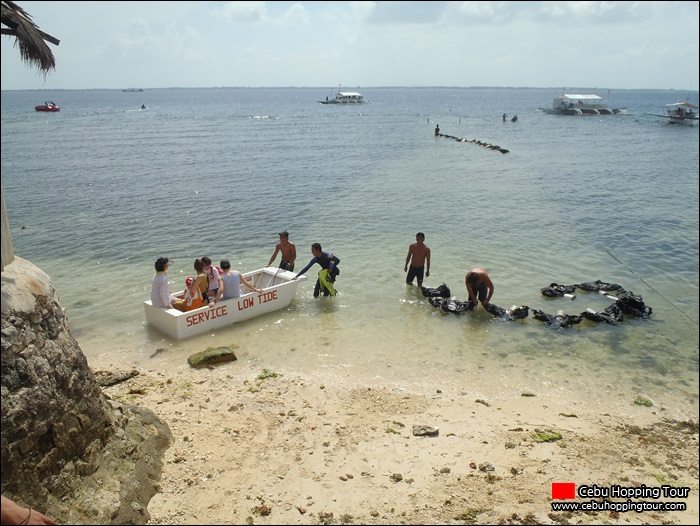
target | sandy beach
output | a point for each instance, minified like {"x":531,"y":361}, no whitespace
{"x":273,"y":448}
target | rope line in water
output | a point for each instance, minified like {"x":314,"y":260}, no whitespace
{"x":652,"y":288}
{"x":474,"y":141}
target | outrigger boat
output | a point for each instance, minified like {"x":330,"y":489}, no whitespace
{"x":345,"y":97}
{"x":573,"y":104}
{"x":680,"y":113}
{"x":278,"y":291}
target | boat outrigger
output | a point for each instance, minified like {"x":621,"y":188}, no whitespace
{"x":278,"y":291}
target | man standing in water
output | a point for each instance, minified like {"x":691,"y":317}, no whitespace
{"x":329,"y":271}
{"x":288,"y":250}
{"x":419,"y":258}
{"x":479,"y":286}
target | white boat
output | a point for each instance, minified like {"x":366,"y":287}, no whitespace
{"x":574,"y":104}
{"x":278,"y":291}
{"x":345,"y":97}
{"x":680,"y":113}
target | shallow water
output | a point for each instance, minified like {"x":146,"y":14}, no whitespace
{"x":96,"y":192}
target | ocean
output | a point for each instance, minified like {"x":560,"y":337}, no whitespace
{"x":98,"y":191}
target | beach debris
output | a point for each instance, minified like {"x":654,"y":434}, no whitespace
{"x":486,"y":466}
{"x":420,"y":430}
{"x":300,"y":509}
{"x":472,"y":465}
{"x":528,"y":394}
{"x":107,"y":378}
{"x":482,"y":402}
{"x":396,"y":477}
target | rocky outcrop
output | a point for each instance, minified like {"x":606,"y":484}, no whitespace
{"x":67,"y":449}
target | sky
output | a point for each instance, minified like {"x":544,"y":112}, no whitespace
{"x":112,"y":45}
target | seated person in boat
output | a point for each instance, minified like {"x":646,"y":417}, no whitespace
{"x":196,"y":288}
{"x":232,"y":281}
{"x":160,"y":290}
{"x":216,"y":285}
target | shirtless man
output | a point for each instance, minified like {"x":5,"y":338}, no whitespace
{"x":288,"y":250}
{"x":479,"y":286}
{"x":419,"y":257}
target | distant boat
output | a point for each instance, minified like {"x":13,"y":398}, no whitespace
{"x":679,"y":113}
{"x":131,"y":90}
{"x":573,"y":104}
{"x":47,"y":106}
{"x":345,"y":97}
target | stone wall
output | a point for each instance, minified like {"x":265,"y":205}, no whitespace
{"x":67,"y":449}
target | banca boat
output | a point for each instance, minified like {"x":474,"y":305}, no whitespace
{"x":680,"y":113}
{"x":345,"y":97}
{"x":574,"y":104}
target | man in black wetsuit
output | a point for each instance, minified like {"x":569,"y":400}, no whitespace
{"x":330,"y":270}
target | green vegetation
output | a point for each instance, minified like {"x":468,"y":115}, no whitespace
{"x":546,"y":436}
{"x":266,"y":373}
{"x":640,"y":400}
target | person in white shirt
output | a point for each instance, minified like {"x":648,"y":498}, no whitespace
{"x":160,"y":289}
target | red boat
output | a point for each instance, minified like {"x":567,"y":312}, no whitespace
{"x":47,"y":106}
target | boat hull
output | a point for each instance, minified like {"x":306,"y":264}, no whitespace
{"x":687,"y":121}
{"x":278,"y":291}
{"x":47,"y":108}
{"x":342,"y":101}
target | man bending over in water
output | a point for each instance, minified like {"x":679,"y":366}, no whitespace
{"x":479,"y":286}
{"x":419,"y":257}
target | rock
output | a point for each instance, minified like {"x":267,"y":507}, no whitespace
{"x":212,"y":356}
{"x":61,"y":436}
{"x":422,"y":430}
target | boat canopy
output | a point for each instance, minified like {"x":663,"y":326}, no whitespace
{"x":568,"y":96}
{"x":352,"y":94}
{"x":682,"y":104}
